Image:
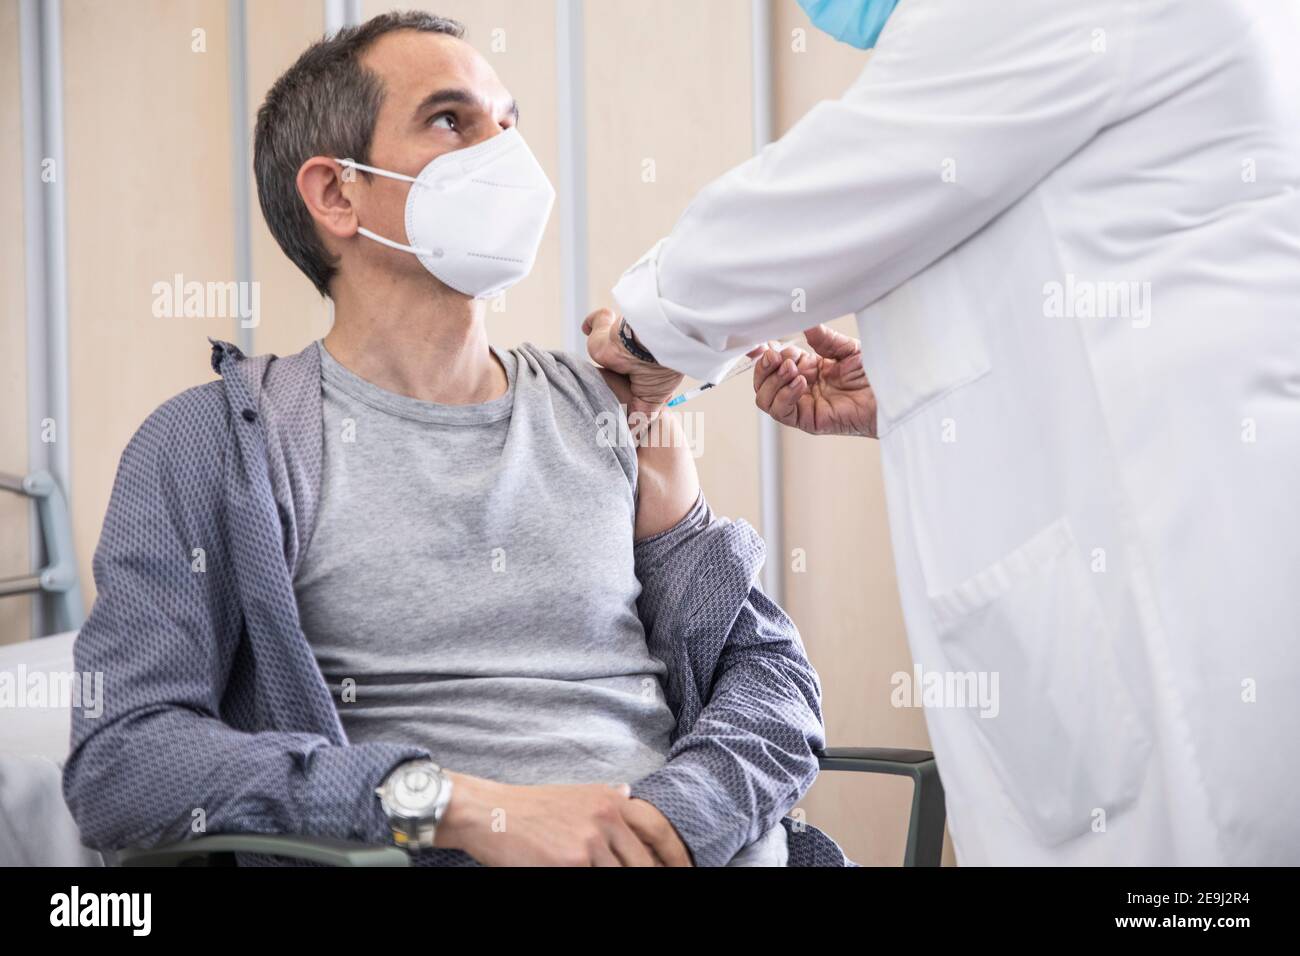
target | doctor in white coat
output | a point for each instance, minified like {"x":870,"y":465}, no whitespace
{"x":1070,"y":232}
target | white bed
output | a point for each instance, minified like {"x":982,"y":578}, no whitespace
{"x":36,"y":828}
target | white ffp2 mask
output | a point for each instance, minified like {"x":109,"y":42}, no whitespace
{"x":475,"y":216}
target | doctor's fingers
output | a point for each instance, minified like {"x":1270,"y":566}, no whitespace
{"x":784,"y":395}
{"x":779,"y":375}
{"x":599,"y":320}
{"x":792,"y":404}
{"x":766,"y":364}
{"x":804,"y":360}
{"x":596,"y":328}
{"x":851,"y":371}
{"x":772,"y":357}
{"x":828,"y":343}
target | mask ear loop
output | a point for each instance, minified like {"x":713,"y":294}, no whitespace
{"x":374,"y":169}
{"x":366,"y":232}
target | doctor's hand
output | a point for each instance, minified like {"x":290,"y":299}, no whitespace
{"x":826,"y":393}
{"x":651,"y":385}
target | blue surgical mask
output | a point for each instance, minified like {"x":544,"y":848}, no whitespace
{"x":856,"y":22}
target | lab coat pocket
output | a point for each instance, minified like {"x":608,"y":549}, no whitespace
{"x":1064,"y":738}
{"x":920,"y":344}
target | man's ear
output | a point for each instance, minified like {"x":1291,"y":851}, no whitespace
{"x":324,"y":186}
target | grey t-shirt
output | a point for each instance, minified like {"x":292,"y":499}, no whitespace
{"x":470,"y":587}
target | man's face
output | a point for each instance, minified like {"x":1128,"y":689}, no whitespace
{"x":439,"y":96}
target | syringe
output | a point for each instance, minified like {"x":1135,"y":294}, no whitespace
{"x":739,"y":369}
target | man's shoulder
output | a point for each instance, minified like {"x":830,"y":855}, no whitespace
{"x":667,"y":483}
{"x":574,"y":379}
{"x":563,"y":369}
{"x":604,"y":391}
{"x":187,"y":425}
{"x":199,"y":406}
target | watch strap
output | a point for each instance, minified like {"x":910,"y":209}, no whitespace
{"x":634,"y":348}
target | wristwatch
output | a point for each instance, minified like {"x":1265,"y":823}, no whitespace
{"x":634,"y":348}
{"x":414,"y":796}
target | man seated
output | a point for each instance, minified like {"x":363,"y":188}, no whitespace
{"x":402,"y":585}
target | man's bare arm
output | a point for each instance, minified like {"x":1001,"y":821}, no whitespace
{"x":667,"y":482}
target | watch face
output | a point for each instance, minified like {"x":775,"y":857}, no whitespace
{"x":415,"y":790}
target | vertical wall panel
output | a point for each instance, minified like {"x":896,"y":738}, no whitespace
{"x":846,"y":602}
{"x":148,"y":180}
{"x":15,"y":554}
{"x":293,"y":313}
{"x":668,"y":84}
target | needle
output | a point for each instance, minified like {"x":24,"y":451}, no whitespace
{"x":740,"y":369}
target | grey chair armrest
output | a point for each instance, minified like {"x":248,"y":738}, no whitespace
{"x":924,"y":831}
{"x":203,"y":851}
{"x":926,"y":824}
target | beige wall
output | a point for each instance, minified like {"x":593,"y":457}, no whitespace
{"x":668,"y":108}
{"x":668,"y":93}
{"x":293,"y":313}
{"x":149,"y":196}
{"x":15,"y":556}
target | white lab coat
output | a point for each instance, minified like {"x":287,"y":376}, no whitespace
{"x":1098,"y":503}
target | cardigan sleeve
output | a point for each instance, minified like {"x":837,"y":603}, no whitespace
{"x":748,"y":701}
{"x":152,"y":760}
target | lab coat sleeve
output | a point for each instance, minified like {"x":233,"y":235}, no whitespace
{"x":961,"y":109}
{"x":158,"y":761}
{"x":746,"y":698}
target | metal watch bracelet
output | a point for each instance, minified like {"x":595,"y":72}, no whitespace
{"x":413,"y":816}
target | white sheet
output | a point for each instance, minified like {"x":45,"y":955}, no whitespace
{"x":36,"y":828}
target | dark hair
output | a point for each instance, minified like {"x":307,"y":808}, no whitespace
{"x":323,"y":105}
